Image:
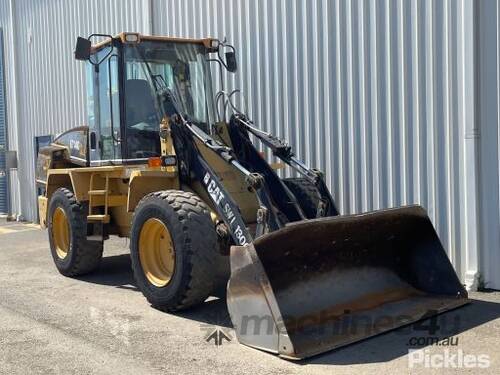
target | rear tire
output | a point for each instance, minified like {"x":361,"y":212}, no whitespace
{"x":306,"y":193}
{"x":193,"y":241}
{"x":67,"y":227}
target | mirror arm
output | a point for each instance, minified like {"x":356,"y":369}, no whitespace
{"x":107,"y":55}
{"x":221,"y":78}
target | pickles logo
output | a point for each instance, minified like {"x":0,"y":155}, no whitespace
{"x":447,"y":359}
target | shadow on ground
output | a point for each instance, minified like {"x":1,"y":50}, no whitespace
{"x":384,"y":347}
{"x":212,"y":312}
{"x":116,"y":271}
{"x":394,"y":344}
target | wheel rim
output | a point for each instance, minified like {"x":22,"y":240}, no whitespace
{"x":60,"y":232}
{"x":156,"y":252}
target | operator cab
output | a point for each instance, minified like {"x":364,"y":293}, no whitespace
{"x":124,"y":74}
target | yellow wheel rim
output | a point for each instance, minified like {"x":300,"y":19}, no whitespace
{"x":60,"y":233}
{"x":156,"y":252}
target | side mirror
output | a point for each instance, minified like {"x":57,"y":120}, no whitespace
{"x":82,"y":50}
{"x":231,"y":64}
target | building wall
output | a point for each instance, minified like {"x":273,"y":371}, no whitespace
{"x":488,"y":105}
{"x":379,"y":94}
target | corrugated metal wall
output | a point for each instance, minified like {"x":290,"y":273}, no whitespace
{"x":379,"y":94}
{"x":6,"y":26}
{"x":489,"y":117}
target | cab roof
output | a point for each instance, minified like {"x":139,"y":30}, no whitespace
{"x":125,"y":37}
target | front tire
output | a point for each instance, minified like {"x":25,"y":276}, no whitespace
{"x":173,"y":247}
{"x":67,"y":226}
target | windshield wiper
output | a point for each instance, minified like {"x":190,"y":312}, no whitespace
{"x":161,"y":88}
{"x":159,"y":82}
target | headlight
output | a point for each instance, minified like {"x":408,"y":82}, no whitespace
{"x":131,"y":38}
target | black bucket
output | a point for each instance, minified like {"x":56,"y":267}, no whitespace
{"x":320,"y":284}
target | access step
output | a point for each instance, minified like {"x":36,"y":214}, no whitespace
{"x":112,"y":200}
{"x":98,"y":218}
{"x":97,"y":192}
{"x":95,"y":238}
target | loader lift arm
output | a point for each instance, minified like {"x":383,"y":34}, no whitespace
{"x":277,"y":204}
{"x":240,"y":126}
{"x":195,"y":166}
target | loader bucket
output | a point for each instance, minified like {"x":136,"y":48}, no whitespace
{"x":320,"y":284}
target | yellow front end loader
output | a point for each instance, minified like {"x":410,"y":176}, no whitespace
{"x":206,"y":213}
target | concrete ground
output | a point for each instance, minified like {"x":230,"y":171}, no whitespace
{"x":101,"y":324}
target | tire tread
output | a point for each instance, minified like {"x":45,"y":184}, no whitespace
{"x":88,"y":254}
{"x":193,"y":216}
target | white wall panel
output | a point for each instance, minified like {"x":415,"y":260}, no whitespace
{"x":6,"y":15}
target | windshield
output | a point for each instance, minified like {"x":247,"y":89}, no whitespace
{"x":181,"y":67}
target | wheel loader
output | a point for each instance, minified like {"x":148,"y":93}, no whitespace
{"x":179,"y":169}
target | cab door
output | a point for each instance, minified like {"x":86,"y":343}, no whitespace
{"x":103,"y":108}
